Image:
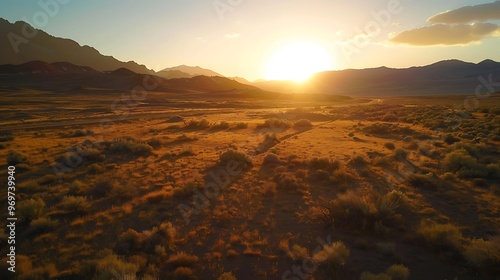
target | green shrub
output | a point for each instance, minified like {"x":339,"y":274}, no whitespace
{"x":334,"y":255}
{"x":194,"y":124}
{"x":43,"y":224}
{"x":31,"y":209}
{"x":324,"y":163}
{"x":450,"y":139}
{"x":389,"y":145}
{"x":441,"y":235}
{"x":6,"y":138}
{"x":372,"y":213}
{"x":155,"y":142}
{"x":275,"y":124}
{"x":241,"y":125}
{"x":15,"y":158}
{"x":303,"y":124}
{"x":398,"y":272}
{"x":464,"y":165}
{"x":227,"y":276}
{"x":102,"y":187}
{"x":400,"y":153}
{"x":78,"y":204}
{"x":483,"y":253}
{"x":237,"y":156}
{"x":182,"y":259}
{"x":130,"y":145}
{"x":47,"y":179}
{"x":113,"y":267}
{"x":220,"y":126}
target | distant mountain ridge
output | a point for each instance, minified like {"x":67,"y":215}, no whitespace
{"x":184,"y":71}
{"x":443,"y":77}
{"x":65,"y":76}
{"x":48,"y":48}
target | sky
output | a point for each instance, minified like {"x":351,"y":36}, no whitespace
{"x":242,"y":37}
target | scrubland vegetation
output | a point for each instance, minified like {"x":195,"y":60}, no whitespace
{"x":358,"y":191}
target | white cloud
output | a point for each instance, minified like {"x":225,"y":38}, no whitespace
{"x":443,"y":34}
{"x":482,"y":13}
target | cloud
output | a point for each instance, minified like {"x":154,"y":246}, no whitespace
{"x":483,"y":12}
{"x":232,"y":35}
{"x":443,"y":34}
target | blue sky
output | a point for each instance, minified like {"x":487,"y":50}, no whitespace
{"x":243,"y":38}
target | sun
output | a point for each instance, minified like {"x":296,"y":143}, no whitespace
{"x":298,"y":61}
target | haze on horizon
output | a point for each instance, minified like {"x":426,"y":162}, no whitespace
{"x":282,"y":40}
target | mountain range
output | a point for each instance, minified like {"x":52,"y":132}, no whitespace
{"x":47,"y":62}
{"x":444,"y":77}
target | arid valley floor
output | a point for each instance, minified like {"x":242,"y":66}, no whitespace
{"x":160,"y":186}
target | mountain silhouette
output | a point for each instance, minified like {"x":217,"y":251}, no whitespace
{"x":65,"y":76}
{"x":17,"y":49}
{"x":443,"y":77}
{"x":191,"y":70}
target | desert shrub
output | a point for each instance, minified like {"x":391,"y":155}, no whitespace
{"x":175,"y":119}
{"x":195,"y":124}
{"x":398,"y":272}
{"x":423,"y":181}
{"x":155,"y":142}
{"x":275,"y":124}
{"x":6,"y":138}
{"x":157,"y":196}
{"x":341,"y":177}
{"x":483,"y":253}
{"x":113,"y":267}
{"x":187,"y":189}
{"x":102,"y":187}
{"x":495,"y":110}
{"x":464,"y":165}
{"x":95,"y":168}
{"x":358,"y":160}
{"x":303,"y":124}
{"x":78,"y":204}
{"x":184,"y":273}
{"x":389,"y":145}
{"x":183,"y":139}
{"x":287,"y":181}
{"x":182,"y":259}
{"x":15,"y":158}
{"x":324,"y":163}
{"x":129,"y":241}
{"x":31,"y":209}
{"x":234,"y":155}
{"x":124,"y":191}
{"x":296,"y":252}
{"x":43,"y":224}
{"x":447,"y":236}
{"x":493,"y":170}
{"x":81,"y":132}
{"x":130,"y":145}
{"x":371,"y":213}
{"x":227,"y":276}
{"x":271,"y":158}
{"x":241,"y":125}
{"x":400,"y":153}
{"x":394,"y":272}
{"x":450,"y":139}
{"x":220,"y":126}
{"x":333,"y":255}
{"x":47,"y":179}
